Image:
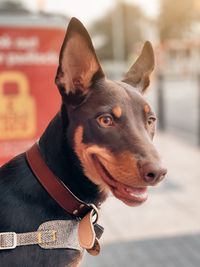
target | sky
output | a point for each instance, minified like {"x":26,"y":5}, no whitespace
{"x":89,"y":10}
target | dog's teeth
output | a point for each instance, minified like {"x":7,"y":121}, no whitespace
{"x":140,"y":195}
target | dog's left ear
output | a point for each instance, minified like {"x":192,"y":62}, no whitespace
{"x":78,"y":66}
{"x":138,"y":75}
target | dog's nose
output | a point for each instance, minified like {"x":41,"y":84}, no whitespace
{"x":152,"y":173}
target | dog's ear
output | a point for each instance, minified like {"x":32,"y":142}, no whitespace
{"x":78,"y":66}
{"x":138,"y":75}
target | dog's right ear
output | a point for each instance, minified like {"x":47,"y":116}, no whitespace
{"x":78,"y":66}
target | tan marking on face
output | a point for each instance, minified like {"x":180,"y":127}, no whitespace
{"x":122,"y":167}
{"x":117,"y":111}
{"x":146,"y":108}
{"x":85,"y":152}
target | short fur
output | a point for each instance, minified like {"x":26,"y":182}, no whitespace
{"x":86,"y":95}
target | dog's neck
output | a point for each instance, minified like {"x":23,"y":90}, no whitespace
{"x":62,"y":160}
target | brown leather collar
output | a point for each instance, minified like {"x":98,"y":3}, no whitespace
{"x":54,"y":186}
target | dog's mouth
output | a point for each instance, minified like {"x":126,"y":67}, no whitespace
{"x":131,"y":196}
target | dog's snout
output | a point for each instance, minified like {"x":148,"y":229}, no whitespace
{"x":152,"y":173}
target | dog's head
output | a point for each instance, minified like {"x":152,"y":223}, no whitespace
{"x":111,"y":126}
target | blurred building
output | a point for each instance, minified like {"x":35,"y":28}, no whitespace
{"x":180,"y":57}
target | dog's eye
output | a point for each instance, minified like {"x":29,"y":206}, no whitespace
{"x":151,"y":120}
{"x":105,"y":120}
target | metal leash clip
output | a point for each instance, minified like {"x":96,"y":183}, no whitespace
{"x":95,"y":213}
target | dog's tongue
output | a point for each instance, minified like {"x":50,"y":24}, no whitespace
{"x":131,"y":195}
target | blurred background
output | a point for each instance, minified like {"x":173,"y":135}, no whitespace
{"x":165,"y":231}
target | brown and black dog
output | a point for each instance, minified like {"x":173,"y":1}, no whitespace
{"x":100,"y":141}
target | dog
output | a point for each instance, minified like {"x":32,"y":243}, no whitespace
{"x":99,"y":142}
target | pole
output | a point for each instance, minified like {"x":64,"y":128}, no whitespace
{"x":160,"y":102}
{"x":198,"y":110}
{"x":118,"y":33}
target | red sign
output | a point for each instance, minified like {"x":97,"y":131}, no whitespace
{"x":28,"y":97}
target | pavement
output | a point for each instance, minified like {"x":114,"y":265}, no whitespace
{"x":163,"y":232}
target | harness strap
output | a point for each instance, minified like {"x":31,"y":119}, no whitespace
{"x":58,"y":234}
{"x":11,"y":240}
{"x":50,"y":235}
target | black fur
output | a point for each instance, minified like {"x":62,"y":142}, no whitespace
{"x":24,"y":204}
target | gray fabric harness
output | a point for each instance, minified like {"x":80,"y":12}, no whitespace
{"x":50,"y":235}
